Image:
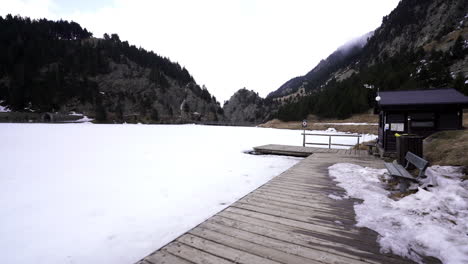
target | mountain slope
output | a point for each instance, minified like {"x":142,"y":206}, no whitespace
{"x":58,"y":66}
{"x":246,"y":106}
{"x":321,"y":72}
{"x":420,"y":45}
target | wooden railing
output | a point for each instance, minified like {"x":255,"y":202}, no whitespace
{"x":304,"y":143}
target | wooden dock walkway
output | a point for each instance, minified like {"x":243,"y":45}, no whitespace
{"x":299,"y":151}
{"x":290,"y":219}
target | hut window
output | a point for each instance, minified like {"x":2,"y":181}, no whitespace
{"x":422,"y":120}
{"x":395,"y":122}
{"x":400,"y":127}
{"x":422,"y":123}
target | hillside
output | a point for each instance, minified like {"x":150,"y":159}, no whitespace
{"x":447,"y":148}
{"x":420,"y":45}
{"x":324,"y":69}
{"x":57,"y":66}
{"x":246,"y":107}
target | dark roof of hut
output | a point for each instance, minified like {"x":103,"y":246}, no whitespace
{"x":423,"y":97}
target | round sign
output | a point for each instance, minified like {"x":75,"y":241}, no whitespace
{"x":304,"y":123}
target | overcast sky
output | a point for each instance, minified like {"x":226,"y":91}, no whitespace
{"x":226,"y":45}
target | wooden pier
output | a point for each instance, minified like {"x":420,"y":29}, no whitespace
{"x":298,"y":151}
{"x":290,"y":219}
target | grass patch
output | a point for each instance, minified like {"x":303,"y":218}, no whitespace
{"x":447,"y":148}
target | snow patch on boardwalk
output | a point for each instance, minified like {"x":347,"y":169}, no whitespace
{"x":432,"y":223}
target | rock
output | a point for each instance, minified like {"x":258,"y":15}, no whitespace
{"x":246,"y":106}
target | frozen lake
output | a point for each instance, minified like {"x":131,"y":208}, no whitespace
{"x":83,"y":193}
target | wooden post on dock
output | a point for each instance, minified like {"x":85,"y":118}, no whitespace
{"x":304,"y":125}
{"x":303,"y":139}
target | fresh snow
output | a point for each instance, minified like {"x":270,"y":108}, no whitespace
{"x":83,"y":119}
{"x":430,"y":222}
{"x":86,"y":193}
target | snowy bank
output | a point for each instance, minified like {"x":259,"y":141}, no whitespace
{"x":430,"y":222}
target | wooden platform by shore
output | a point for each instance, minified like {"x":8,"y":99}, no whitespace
{"x":299,"y":151}
{"x":290,"y":219}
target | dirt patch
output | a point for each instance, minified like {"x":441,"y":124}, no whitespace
{"x":447,"y":148}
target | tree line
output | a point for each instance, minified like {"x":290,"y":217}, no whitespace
{"x":45,"y":63}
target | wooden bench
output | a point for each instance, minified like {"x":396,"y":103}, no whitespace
{"x":404,"y":177}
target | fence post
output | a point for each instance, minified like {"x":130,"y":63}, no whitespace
{"x":329,"y":141}
{"x":303,"y":139}
{"x":359,"y":136}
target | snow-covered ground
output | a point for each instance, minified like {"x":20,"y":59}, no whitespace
{"x":85,"y":193}
{"x":432,"y":223}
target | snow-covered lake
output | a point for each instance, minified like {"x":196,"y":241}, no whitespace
{"x":83,"y":193}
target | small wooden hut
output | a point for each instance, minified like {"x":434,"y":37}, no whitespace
{"x":420,"y":112}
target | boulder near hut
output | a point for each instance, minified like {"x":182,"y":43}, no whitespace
{"x":420,"y":112}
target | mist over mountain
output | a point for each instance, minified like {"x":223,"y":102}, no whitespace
{"x":324,"y":68}
{"x":420,"y":45}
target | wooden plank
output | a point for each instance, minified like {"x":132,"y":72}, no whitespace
{"x":322,"y":205}
{"x":164,"y":257}
{"x":289,"y":220}
{"x":308,"y":223}
{"x":228,"y":227}
{"x":302,"y":197}
{"x":194,"y":255}
{"x":289,"y":208}
{"x":311,"y":188}
{"x":305,"y":151}
{"x":233,"y":240}
{"x":306,"y":205}
{"x":313,"y":194}
{"x":143,"y":262}
{"x":285,"y":150}
{"x":326,"y":204}
{"x":232,"y":254}
{"x":320,"y":247}
{"x":305,"y":183}
{"x":299,"y":209}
